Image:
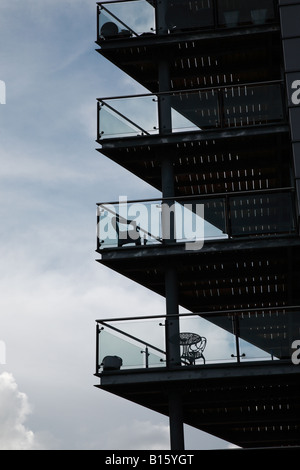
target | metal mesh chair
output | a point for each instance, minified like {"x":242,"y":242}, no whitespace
{"x":192,"y":346}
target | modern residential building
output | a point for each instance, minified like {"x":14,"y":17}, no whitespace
{"x":217,"y":132}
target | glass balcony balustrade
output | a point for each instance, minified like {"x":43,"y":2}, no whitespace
{"x":191,"y":110}
{"x":137,"y":17}
{"x":203,"y":339}
{"x":125,"y":19}
{"x":195,"y":220}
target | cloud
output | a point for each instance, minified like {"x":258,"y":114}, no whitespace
{"x":14,"y":411}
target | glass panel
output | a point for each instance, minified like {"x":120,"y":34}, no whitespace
{"x":128,"y":116}
{"x":232,"y":13}
{"x":215,"y":217}
{"x":126,"y":19}
{"x":215,"y":338}
{"x":195,"y":14}
{"x":266,"y":213}
{"x":112,"y":346}
{"x":246,"y":106}
{"x":198,"y":110}
{"x":145,"y":223}
{"x":206,"y":341}
{"x":134,"y":18}
{"x":129,"y":224}
{"x":194,"y":110}
{"x":112,"y":124}
{"x":150,"y":331}
{"x":124,"y":349}
{"x":271,"y":331}
{"x":258,"y":335}
{"x":152,"y":222}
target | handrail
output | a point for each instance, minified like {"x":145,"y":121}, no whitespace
{"x":131,"y":336}
{"x":201,"y":314}
{"x":277,"y":350}
{"x":224,"y":107}
{"x":204,"y":196}
{"x":126,"y":221}
{"x":214,"y":24}
{"x":118,"y":19}
{"x":193,"y":90}
{"x":124,"y":117}
{"x":227,"y":216}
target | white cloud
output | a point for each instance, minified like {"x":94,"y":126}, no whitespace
{"x":14,"y":411}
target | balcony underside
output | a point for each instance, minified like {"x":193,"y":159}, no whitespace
{"x":250,"y":405}
{"x":208,"y":162}
{"x":195,"y":60}
{"x":224,"y":275}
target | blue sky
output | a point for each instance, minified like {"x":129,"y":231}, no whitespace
{"x":52,"y":290}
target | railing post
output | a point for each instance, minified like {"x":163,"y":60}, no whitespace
{"x":98,"y":243}
{"x":98,"y":22}
{"x":236,"y":332}
{"x":228,"y":224}
{"x":97,"y":347}
{"x":147,"y":357}
{"x":237,"y":339}
{"x":98,"y":120}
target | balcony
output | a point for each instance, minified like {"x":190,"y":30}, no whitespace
{"x":247,"y":358}
{"x":131,"y":19}
{"x":225,"y":107}
{"x":204,"y":339}
{"x":195,"y":220}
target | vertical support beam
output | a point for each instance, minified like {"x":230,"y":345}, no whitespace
{"x":160,"y":17}
{"x":176,"y":424}
{"x":164,"y":101}
{"x":171,"y":282}
{"x":172,"y":323}
{"x":173,"y":357}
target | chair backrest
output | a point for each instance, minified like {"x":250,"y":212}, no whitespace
{"x":193,"y":346}
{"x":199,"y":346}
{"x":130,"y":235}
{"x":112,"y":363}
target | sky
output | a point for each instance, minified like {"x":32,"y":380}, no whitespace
{"x":51,"y":288}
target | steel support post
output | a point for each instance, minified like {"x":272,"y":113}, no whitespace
{"x":168,"y":221}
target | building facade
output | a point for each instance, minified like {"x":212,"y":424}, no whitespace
{"x":217,"y":132}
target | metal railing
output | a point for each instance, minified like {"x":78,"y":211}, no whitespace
{"x":195,"y":219}
{"x":227,"y":337}
{"x":134,"y":18}
{"x":222,"y":107}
